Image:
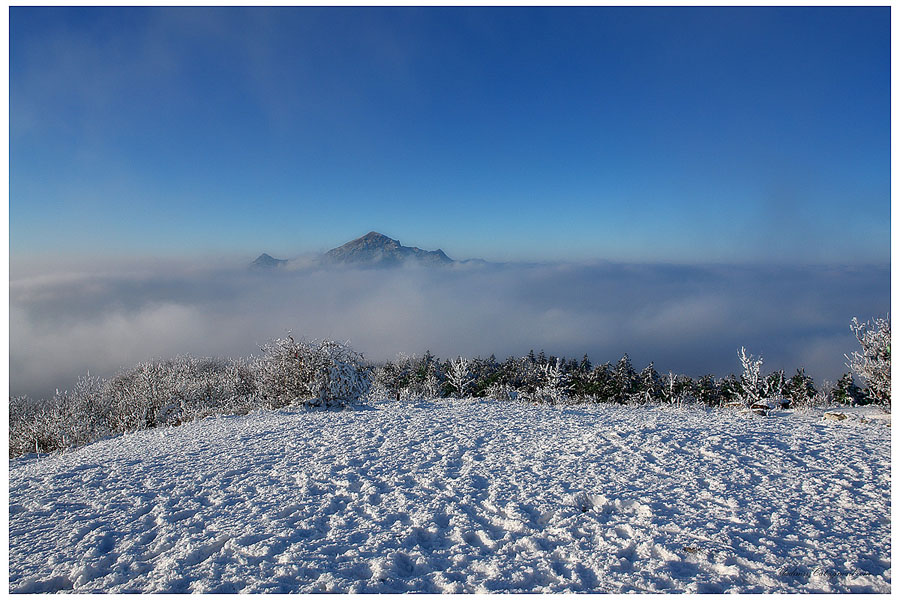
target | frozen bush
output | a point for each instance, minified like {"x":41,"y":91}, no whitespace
{"x":752,"y":382}
{"x":67,"y":419}
{"x":410,"y":376}
{"x":845,"y":391}
{"x":33,"y":426}
{"x":502,"y":391}
{"x":181,"y":389}
{"x":554,"y":386}
{"x":873,"y":364}
{"x":676,"y":390}
{"x":149,"y":395}
{"x":310,"y":373}
{"x":801,"y":391}
{"x":459,"y":377}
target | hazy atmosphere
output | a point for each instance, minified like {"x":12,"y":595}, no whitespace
{"x":670,"y":183}
{"x":688,"y":319}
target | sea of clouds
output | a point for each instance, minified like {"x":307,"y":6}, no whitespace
{"x":688,"y":319}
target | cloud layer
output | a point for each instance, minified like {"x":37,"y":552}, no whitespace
{"x":687,"y":319}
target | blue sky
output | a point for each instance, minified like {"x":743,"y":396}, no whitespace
{"x":661,"y":134}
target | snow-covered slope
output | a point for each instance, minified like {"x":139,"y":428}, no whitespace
{"x":460,"y":496}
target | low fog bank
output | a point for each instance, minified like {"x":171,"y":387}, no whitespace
{"x":688,"y":319}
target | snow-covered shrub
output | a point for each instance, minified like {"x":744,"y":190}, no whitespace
{"x":413,"y":376}
{"x":624,"y":382}
{"x":801,"y":391}
{"x":730,"y":390}
{"x":752,"y":382}
{"x":554,"y":386}
{"x":677,"y":390}
{"x":67,"y":419}
{"x":406,"y":374}
{"x":873,"y":364}
{"x":387,"y":377}
{"x":845,"y":391}
{"x":84,"y":412}
{"x":149,"y":395}
{"x":33,"y":426}
{"x":431,"y":387}
{"x":169,"y":392}
{"x":524,"y":375}
{"x":706,"y":390}
{"x":310,"y":373}
{"x":502,"y":391}
{"x":458,"y":376}
{"x":650,"y":385}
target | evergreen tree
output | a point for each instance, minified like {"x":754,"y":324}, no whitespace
{"x":585,"y":364}
{"x":624,"y":379}
{"x":800,"y":389}
{"x":707,"y":391}
{"x":775,"y":384}
{"x":846,"y":391}
{"x":650,"y":384}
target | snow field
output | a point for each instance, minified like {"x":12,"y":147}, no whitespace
{"x":462,"y":496}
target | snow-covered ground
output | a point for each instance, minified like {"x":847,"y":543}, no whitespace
{"x":462,"y":496}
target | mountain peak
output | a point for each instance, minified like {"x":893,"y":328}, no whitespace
{"x":374,"y":235}
{"x":377,"y":249}
{"x":264,"y":261}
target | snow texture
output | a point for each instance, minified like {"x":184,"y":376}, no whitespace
{"x":462,"y":496}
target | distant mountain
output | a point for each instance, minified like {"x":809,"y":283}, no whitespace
{"x":264,"y":261}
{"x":377,"y":249}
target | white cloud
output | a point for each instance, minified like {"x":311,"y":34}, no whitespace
{"x":688,"y":319}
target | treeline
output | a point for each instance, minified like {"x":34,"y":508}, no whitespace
{"x":329,"y":374}
{"x":551,"y":379}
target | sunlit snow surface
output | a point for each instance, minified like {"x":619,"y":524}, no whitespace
{"x":462,"y":496}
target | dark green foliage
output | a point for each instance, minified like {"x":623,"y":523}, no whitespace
{"x":730,"y":389}
{"x":625,"y":380}
{"x":706,"y":390}
{"x":799,"y":389}
{"x":776,"y":384}
{"x":847,"y":392}
{"x":585,"y":365}
{"x":650,"y":385}
{"x":485,"y":373}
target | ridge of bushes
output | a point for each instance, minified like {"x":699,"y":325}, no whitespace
{"x":329,"y":374}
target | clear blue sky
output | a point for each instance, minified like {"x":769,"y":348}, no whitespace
{"x":668,"y":134}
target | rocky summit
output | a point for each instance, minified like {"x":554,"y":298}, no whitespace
{"x":264,"y":261}
{"x":377,"y":249}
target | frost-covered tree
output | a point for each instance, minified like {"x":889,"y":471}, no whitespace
{"x":752,"y":382}
{"x":801,"y":390}
{"x":677,"y":389}
{"x":151,"y":394}
{"x":650,"y":385}
{"x":775,"y":384}
{"x":670,"y":388}
{"x":458,"y":376}
{"x":707,"y":391}
{"x":554,"y":388}
{"x":845,"y":391}
{"x":624,"y":380}
{"x":873,"y":364}
{"x":431,"y":387}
